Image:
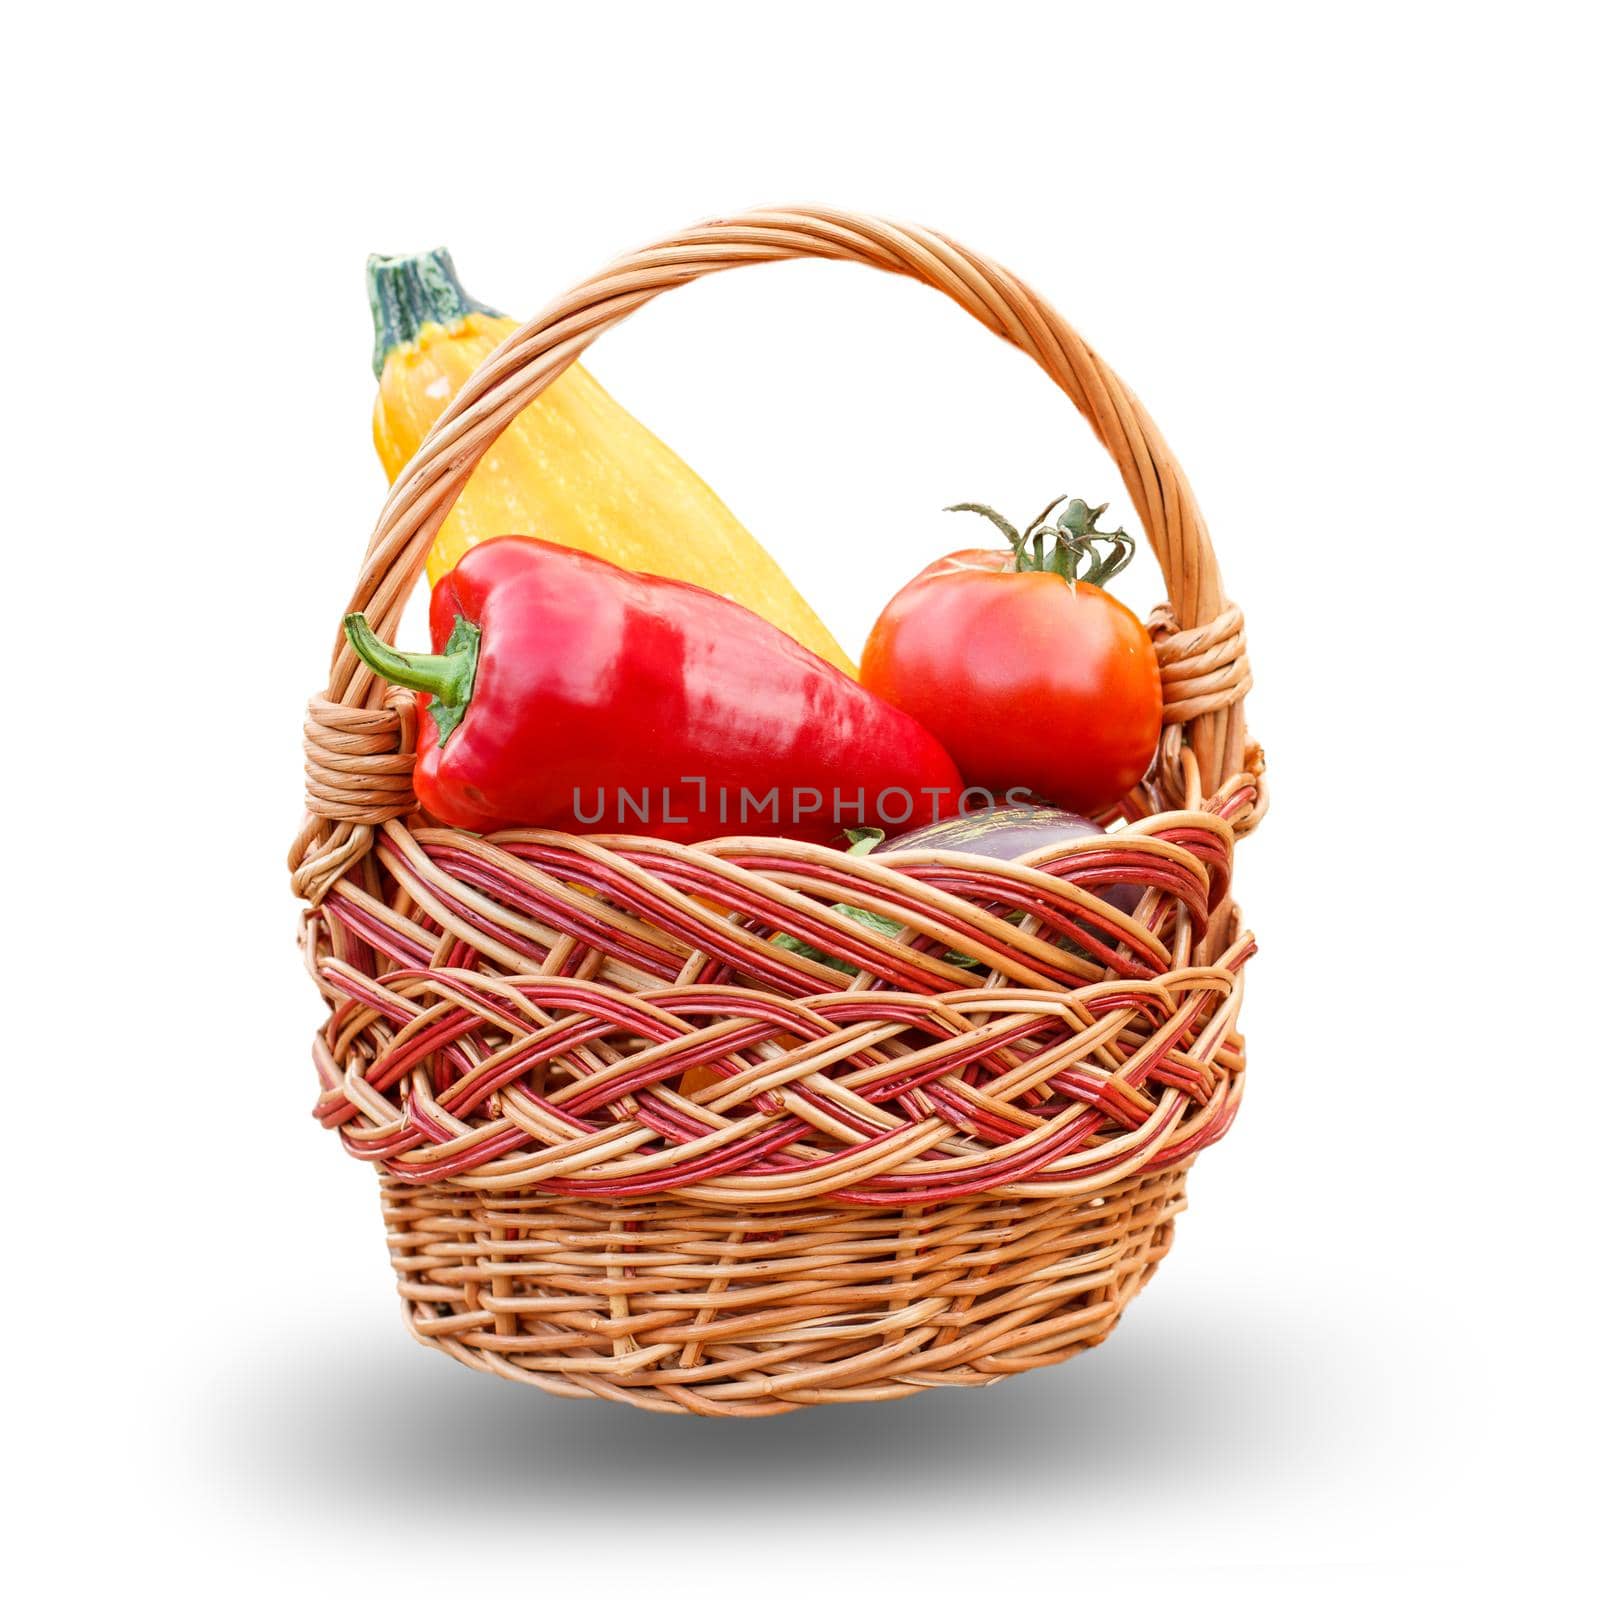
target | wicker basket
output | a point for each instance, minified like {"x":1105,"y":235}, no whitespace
{"x":919,"y":1176}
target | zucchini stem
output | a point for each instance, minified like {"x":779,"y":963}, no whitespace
{"x":406,"y":292}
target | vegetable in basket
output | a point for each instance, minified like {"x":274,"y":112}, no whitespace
{"x":573,"y":468}
{"x":1001,"y":833}
{"x":568,"y":693}
{"x":1029,"y":673}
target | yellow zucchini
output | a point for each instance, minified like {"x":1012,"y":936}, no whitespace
{"x":575,"y":468}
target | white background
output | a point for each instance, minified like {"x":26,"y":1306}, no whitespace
{"x":1345,"y":258}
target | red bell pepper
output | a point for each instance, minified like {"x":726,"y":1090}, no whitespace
{"x":568,"y":693}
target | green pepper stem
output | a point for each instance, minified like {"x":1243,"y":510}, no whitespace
{"x":448,"y":677}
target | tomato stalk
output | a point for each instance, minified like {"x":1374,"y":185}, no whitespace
{"x":1074,"y":537}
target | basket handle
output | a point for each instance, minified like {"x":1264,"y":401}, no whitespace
{"x":1203,"y":629}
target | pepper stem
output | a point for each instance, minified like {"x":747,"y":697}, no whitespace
{"x":448,"y":678}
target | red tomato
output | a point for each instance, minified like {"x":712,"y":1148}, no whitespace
{"x":1029,"y":680}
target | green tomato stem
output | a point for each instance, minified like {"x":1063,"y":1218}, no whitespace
{"x":1060,"y":547}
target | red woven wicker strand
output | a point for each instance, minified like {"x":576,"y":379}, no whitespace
{"x":933,"y":1172}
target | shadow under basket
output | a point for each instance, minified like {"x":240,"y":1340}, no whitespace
{"x":636,"y":1141}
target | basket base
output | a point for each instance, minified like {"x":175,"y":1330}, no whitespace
{"x":678,"y":1307}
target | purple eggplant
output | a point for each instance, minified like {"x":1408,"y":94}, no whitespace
{"x":1001,"y":833}
{"x":1005,"y":832}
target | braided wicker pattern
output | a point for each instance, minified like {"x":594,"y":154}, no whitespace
{"x":635,"y":1146}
